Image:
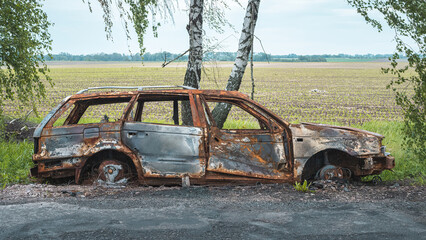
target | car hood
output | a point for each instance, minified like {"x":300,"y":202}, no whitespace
{"x":310,"y":138}
{"x":324,"y":130}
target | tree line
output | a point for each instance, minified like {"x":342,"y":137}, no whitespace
{"x":210,"y":56}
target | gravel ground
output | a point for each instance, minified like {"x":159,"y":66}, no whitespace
{"x":334,"y":211}
{"x":321,"y":191}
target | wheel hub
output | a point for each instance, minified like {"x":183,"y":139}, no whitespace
{"x":111,"y":171}
{"x":332,"y":172}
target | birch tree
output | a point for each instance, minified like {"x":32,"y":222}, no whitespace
{"x":213,"y":11}
{"x":195,"y":31}
{"x":245,"y":46}
{"x":195,"y":59}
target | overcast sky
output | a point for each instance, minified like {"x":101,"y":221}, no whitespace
{"x":284,"y":26}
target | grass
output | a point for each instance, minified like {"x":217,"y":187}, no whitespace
{"x":406,"y":166}
{"x":302,"y":187}
{"x":15,"y":162}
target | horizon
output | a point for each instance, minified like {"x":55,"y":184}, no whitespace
{"x":272,"y":54}
{"x":133,"y":54}
{"x":302,"y":27}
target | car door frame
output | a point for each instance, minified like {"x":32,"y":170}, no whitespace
{"x":275,"y":126}
{"x":148,"y":164}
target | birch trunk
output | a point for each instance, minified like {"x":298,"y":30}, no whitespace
{"x":193,"y":70}
{"x":221,"y":111}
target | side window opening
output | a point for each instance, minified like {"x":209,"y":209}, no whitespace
{"x":102,"y":113}
{"x":159,"y":111}
{"x":93,"y":111}
{"x":61,"y":120}
{"x":238,"y":118}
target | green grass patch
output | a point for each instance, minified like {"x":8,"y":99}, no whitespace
{"x":15,"y":162}
{"x":240,"y":124}
{"x":406,"y":165}
{"x":302,"y":187}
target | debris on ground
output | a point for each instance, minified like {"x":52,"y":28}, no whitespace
{"x":333,"y":185}
{"x":324,"y":190}
{"x":18,"y":129}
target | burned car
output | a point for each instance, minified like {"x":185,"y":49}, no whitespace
{"x":120,"y":135}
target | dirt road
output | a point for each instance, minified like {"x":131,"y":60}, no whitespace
{"x":230,"y":212}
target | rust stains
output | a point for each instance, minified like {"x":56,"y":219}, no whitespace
{"x":165,"y":153}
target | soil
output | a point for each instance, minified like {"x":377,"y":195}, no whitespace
{"x":18,"y":130}
{"x":318,"y":191}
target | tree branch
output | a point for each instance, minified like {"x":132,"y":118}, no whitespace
{"x":176,"y":58}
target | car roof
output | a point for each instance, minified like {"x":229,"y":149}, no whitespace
{"x":210,"y":92}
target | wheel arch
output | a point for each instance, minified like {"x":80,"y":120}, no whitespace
{"x":95,"y":158}
{"x":330,"y":156}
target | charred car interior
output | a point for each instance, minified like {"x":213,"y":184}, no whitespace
{"x":164,"y":134}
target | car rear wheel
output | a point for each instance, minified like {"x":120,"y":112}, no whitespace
{"x":113,"y":171}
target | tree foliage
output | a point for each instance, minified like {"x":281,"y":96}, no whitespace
{"x":144,"y":13}
{"x":137,"y":13}
{"x":24,"y":41}
{"x":408,"y":19}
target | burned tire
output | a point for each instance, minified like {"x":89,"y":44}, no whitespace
{"x":108,"y":165}
{"x":329,"y":172}
{"x":112,"y":171}
{"x":327,"y":164}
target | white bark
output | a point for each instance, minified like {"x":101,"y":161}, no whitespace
{"x":195,"y":30}
{"x":244,"y":46}
{"x":221,"y":111}
{"x":195,"y":58}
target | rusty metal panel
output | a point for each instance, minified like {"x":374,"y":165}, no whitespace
{"x":166,"y":150}
{"x":38,"y":130}
{"x":91,"y":132}
{"x":247,"y":154}
{"x":344,"y":128}
{"x":310,"y":139}
{"x":64,"y":149}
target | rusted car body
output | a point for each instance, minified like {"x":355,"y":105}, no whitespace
{"x":167,"y":152}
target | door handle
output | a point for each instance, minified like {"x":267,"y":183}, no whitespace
{"x":130,"y":134}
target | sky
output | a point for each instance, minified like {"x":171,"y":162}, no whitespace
{"x":284,"y":26}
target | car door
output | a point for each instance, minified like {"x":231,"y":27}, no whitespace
{"x":247,"y":144}
{"x":166,"y":145}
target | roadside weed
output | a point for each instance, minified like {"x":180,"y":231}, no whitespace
{"x":302,"y":187}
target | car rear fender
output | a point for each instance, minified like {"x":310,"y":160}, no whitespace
{"x":114,"y":150}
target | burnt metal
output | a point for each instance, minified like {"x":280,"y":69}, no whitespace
{"x":202,"y":154}
{"x":139,"y":88}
